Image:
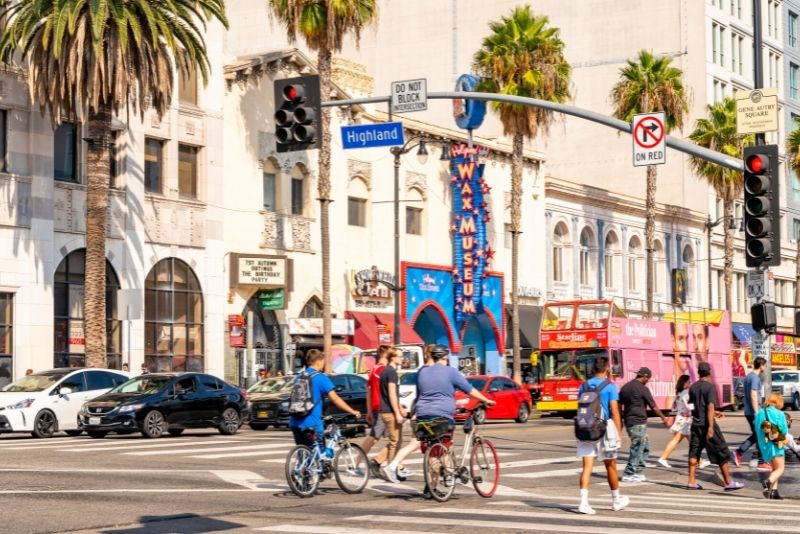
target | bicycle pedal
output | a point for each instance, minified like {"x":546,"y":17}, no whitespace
{"x":477,"y":479}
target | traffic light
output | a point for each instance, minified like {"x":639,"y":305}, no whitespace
{"x":763,"y":317}
{"x":762,"y":218}
{"x":297,"y":113}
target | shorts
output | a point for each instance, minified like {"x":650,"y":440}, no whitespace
{"x":682,"y":425}
{"x":378,"y":429}
{"x":717,"y":447}
{"x":595,"y":449}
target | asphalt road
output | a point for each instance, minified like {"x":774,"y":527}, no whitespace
{"x":205,"y":482}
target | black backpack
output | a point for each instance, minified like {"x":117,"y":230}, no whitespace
{"x":301,"y":400}
{"x":590,"y":425}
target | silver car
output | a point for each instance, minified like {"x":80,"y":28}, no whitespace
{"x":787,"y":383}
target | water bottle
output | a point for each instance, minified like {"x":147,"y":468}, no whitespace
{"x":329,"y":448}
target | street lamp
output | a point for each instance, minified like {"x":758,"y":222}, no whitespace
{"x":421,"y":143}
{"x":709,"y":227}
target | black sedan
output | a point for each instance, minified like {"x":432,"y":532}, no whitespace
{"x":154,"y":404}
{"x":272,"y":407}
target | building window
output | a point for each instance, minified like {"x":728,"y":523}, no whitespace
{"x":794,"y":73}
{"x":741,"y":292}
{"x":659,"y":276}
{"x":413,"y":221}
{"x":773,"y":16}
{"x":298,"y":200}
{"x":187,"y":171}
{"x":773,"y":65}
{"x":691,"y":275}
{"x":720,"y":88}
{"x":312,"y":309}
{"x":356,"y":211}
{"x":65,"y":152}
{"x":797,"y":229}
{"x":68,"y":287}
{"x":3,"y":141}
{"x":585,"y":257}
{"x":269,"y":191}
{"x":634,"y":251}
{"x":792,"y":29}
{"x":173,"y":314}
{"x":187,"y":87}
{"x":6,"y":337}
{"x":153,"y":164}
{"x":737,"y":47}
{"x":714,"y":42}
{"x":611,"y":248}
{"x":559,"y":240}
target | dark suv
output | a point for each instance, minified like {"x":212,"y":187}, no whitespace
{"x":165,"y":402}
{"x":272,"y":408}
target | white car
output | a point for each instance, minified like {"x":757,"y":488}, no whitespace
{"x":46,"y":402}
{"x":407,"y":383}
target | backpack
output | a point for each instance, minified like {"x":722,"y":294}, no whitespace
{"x":590,"y":425}
{"x":301,"y":400}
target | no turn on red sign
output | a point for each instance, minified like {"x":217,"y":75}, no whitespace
{"x":649,"y":139}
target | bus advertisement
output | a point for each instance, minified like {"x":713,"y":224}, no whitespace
{"x":575,"y":333}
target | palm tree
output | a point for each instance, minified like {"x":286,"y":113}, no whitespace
{"x":650,"y":84}
{"x":523,"y":56}
{"x":717,"y":131}
{"x":323,"y":24}
{"x":793,"y":151}
{"x":89,"y":60}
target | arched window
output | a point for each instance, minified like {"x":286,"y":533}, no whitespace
{"x":312,"y":309}
{"x":659,"y":260}
{"x":70,"y":343}
{"x":611,"y":250}
{"x":690,"y":266}
{"x":299,"y":206}
{"x":414,"y":205}
{"x":173,"y":314}
{"x":634,"y":257}
{"x":357,"y":196}
{"x":587,"y":244}
{"x":560,"y":239}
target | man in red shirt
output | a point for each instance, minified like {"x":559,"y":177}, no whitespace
{"x":377,"y":428}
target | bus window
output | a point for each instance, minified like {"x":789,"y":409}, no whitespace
{"x":592,"y":316}
{"x":410,"y":360}
{"x":616,"y":362}
{"x":584,"y":362}
{"x":551,"y":363}
{"x":557,"y":317}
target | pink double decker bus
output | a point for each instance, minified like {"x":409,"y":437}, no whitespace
{"x":574,"y":334}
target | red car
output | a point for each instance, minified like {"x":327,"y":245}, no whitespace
{"x":513,"y":402}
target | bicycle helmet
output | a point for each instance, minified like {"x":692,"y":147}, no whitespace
{"x":439,"y":351}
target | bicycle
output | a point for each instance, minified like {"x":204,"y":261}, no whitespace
{"x":306,"y":466}
{"x":440,"y":470}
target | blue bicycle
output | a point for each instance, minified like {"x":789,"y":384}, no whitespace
{"x":307,"y":466}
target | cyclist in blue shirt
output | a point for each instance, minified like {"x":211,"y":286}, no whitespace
{"x":321,"y":386}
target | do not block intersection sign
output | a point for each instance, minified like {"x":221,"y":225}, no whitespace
{"x":649,"y":139}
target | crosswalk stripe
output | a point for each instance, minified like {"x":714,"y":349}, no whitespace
{"x":774,"y":523}
{"x":511,"y":525}
{"x":32,"y":442}
{"x":148,"y":445}
{"x":540,"y":461}
{"x":239,"y":454}
{"x":216,"y":449}
{"x":572,"y":471}
{"x":323,"y":529}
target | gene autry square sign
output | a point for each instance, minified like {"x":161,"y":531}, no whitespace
{"x":756,"y":111}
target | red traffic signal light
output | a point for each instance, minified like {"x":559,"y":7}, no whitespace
{"x":294,"y":93}
{"x":757,"y":163}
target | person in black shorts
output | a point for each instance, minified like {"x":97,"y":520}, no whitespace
{"x":706,"y":433}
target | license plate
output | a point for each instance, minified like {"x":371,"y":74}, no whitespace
{"x":94,"y":420}
{"x":263,"y":415}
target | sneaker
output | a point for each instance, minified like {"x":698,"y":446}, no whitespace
{"x":404,"y":472}
{"x":754,"y":463}
{"x":375,"y":469}
{"x":764,"y":466}
{"x":620,"y":503}
{"x":584,"y":508}
{"x":631,"y":478}
{"x":390,"y":474}
{"x":663,"y":463}
{"x":449,"y":481}
{"x":703,"y":464}
{"x":694,"y":486}
{"x":733,"y":485}
{"x":774,"y":495}
{"x":737,"y":458}
{"x":426,"y":493}
{"x":766,"y":488}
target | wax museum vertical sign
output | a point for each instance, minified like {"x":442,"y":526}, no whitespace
{"x":471,"y":215}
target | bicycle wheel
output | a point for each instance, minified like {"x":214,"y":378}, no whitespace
{"x":439,"y":466}
{"x":350,"y":468}
{"x":484,"y":467}
{"x":302,"y":472}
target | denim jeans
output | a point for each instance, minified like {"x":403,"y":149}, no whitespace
{"x":640,"y":449}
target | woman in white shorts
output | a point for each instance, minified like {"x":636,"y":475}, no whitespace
{"x":682,"y":427}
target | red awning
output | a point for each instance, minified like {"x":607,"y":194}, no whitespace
{"x":367,"y":326}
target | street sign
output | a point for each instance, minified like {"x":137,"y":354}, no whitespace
{"x":409,"y":95}
{"x":373,"y":135}
{"x":755,"y":284}
{"x":756,"y":111}
{"x":760,"y":345}
{"x":649,"y":139}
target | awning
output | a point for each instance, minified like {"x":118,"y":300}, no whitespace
{"x":368,"y":325}
{"x":713,"y":317}
{"x":530,"y":320}
{"x":743,"y":332}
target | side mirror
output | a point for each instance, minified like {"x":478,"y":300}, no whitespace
{"x":64,"y":391}
{"x":494,"y":389}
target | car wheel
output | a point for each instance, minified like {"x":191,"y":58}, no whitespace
{"x":74,"y":433}
{"x":230,"y":422}
{"x":97,"y":434}
{"x":480,"y":416}
{"x":175,"y":431}
{"x":153,"y":424}
{"x":796,"y":402}
{"x":259,"y":426}
{"x":524,"y":412}
{"x":45,"y":424}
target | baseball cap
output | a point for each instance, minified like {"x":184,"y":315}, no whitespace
{"x":703,"y":368}
{"x":644,"y":371}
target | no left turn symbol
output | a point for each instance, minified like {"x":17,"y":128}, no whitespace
{"x":649,"y":139}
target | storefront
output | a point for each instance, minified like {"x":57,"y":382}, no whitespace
{"x":783,"y":349}
{"x":530,"y":321}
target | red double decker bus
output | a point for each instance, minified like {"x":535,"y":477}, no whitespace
{"x":574,"y":334}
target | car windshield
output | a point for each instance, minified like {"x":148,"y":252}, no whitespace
{"x":142,"y":384}
{"x":408,"y":379}
{"x":271,"y":385}
{"x":477,"y":383}
{"x":33,"y":383}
